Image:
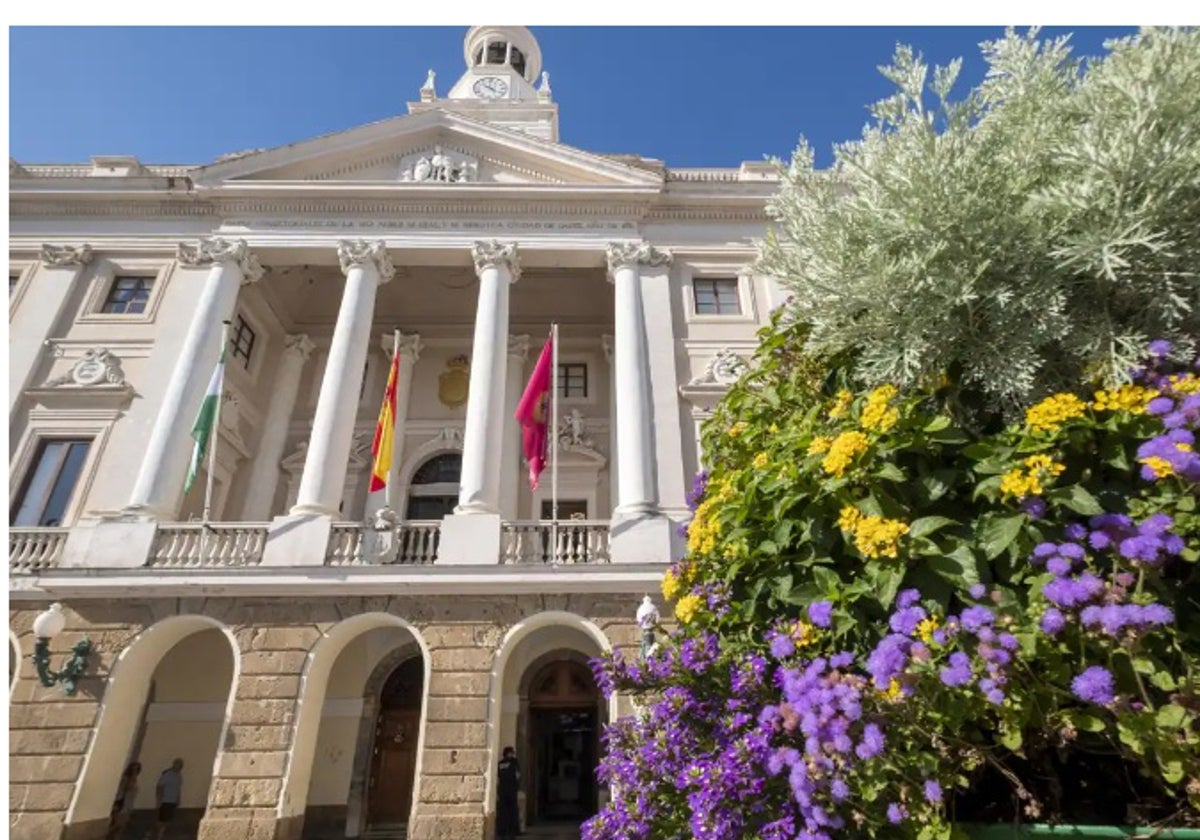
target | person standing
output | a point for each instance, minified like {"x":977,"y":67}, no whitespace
{"x":123,"y":804}
{"x":508,"y":820}
{"x":167,"y":794}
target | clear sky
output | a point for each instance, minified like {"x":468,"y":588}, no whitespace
{"x":693,"y":96}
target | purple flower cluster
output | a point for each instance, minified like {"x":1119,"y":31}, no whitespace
{"x":1115,"y":619}
{"x":1174,"y":448}
{"x":1095,"y":685}
{"x":699,"y":487}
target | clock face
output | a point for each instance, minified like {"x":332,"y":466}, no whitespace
{"x":490,"y":87}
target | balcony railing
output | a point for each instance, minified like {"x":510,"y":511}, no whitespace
{"x":216,"y":545}
{"x":409,"y":544}
{"x":572,"y":542}
{"x":32,"y":549}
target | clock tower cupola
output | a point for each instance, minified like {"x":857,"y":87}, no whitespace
{"x":504,"y":82}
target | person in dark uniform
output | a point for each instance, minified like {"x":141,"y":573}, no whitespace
{"x":508,"y":822}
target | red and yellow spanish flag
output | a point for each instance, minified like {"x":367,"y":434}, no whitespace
{"x":381,"y":447}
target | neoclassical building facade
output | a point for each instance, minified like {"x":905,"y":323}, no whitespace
{"x":330,"y":662}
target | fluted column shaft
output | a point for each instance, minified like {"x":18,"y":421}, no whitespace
{"x":160,"y":478}
{"x":479,"y":490}
{"x":606,"y":343}
{"x":637,"y":493}
{"x":510,"y":480}
{"x":366,"y":266}
{"x":264,"y":475}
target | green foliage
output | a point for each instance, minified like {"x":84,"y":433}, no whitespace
{"x":1031,"y":235}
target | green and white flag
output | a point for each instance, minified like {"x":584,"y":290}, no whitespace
{"x":202,"y":429}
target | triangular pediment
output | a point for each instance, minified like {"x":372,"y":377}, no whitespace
{"x":429,"y":149}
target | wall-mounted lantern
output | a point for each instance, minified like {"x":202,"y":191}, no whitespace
{"x":46,"y":626}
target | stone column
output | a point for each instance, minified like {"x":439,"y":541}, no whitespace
{"x":640,"y":533}
{"x":264,"y":475}
{"x":472,"y":534}
{"x":479,"y":492}
{"x":160,"y":479}
{"x":606,"y":343}
{"x":512,"y":466}
{"x":367,"y":266}
{"x":37,"y":316}
{"x":410,"y":352}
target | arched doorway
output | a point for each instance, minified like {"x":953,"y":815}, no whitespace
{"x":564,"y":720}
{"x":394,"y":747}
{"x":434,"y":488}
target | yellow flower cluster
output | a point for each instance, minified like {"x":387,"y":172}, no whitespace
{"x":761,"y":460}
{"x":803,"y":634}
{"x":878,"y":414}
{"x":842,"y":451}
{"x":1029,"y":481}
{"x":841,"y":404}
{"x":671,"y":585}
{"x":820,"y":445}
{"x":892,"y":693}
{"x":687,"y":607}
{"x":925,"y":629}
{"x":1186,"y":383}
{"x":1052,"y":412}
{"x":737,"y":428}
{"x":703,"y":529}
{"x":874,"y":536}
{"x":1131,"y":398}
{"x":1161,"y":466}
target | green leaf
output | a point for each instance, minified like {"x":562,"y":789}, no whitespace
{"x":927,"y":525}
{"x":887,"y":580}
{"x":1011,"y":738}
{"x":1164,"y":681}
{"x":1144,"y":665}
{"x":1172,"y":771}
{"x":958,"y":567}
{"x":768,"y":547}
{"x":1171,"y":717}
{"x":937,"y":424}
{"x":997,"y":533}
{"x":1077,"y":499}
{"x":826,"y":579}
{"x":1130,"y":738}
{"x":1085,"y":722}
{"x":890,"y":472}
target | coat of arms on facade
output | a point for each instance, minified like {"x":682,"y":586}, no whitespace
{"x":97,"y":367}
{"x":453,"y":382}
{"x":439,"y":166}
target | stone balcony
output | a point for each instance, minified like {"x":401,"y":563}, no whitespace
{"x":179,"y":546}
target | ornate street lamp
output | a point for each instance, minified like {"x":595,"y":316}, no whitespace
{"x":647,"y":620}
{"x":46,"y":626}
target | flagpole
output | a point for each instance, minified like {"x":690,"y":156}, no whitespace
{"x":387,"y":488}
{"x":554,"y":441}
{"x":212,"y":444}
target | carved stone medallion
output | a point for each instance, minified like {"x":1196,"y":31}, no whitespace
{"x":454,"y":382}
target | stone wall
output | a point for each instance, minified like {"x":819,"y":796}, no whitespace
{"x":51,"y":735}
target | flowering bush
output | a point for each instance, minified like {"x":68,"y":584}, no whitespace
{"x":881,"y":616}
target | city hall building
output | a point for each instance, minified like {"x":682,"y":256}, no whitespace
{"x":330,"y":662}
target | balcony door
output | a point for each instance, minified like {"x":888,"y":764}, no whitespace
{"x":433,"y":492}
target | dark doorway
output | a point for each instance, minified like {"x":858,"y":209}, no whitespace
{"x":394,"y":754}
{"x":564,"y":744}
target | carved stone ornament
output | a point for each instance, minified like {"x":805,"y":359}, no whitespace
{"x":410,"y":346}
{"x":97,"y":367}
{"x":450,"y":437}
{"x":353,"y":252}
{"x":495,"y":254}
{"x":572,"y":432}
{"x":65,"y":255}
{"x":439,"y":166}
{"x":518,"y":345}
{"x":723,"y":369}
{"x":454,"y":382}
{"x":213,"y":250}
{"x":625,"y":254}
{"x":298,"y":344}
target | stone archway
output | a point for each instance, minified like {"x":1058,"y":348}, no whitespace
{"x":14,"y":661}
{"x":192,"y":719}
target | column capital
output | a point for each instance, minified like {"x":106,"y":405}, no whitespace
{"x":624,"y":254}
{"x":518,"y":346}
{"x":352,"y":252}
{"x":213,"y":250}
{"x":493,"y":253}
{"x":299,"y":345}
{"x":606,"y":344}
{"x":65,"y":255}
{"x":410,"y":345}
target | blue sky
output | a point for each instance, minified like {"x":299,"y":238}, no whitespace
{"x":692,"y":96}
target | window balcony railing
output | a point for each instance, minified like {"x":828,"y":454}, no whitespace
{"x":412,"y":543}
{"x":216,"y":545}
{"x":33,"y":549}
{"x":572,"y":541}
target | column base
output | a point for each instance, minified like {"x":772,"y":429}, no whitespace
{"x":313,"y":510}
{"x":640,"y":539}
{"x":297,"y":540}
{"x":469,"y":540}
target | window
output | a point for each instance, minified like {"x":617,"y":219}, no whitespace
{"x":51,"y":482}
{"x":716,"y":296}
{"x":497,"y":51}
{"x":434,"y":491}
{"x":13,"y":279}
{"x":128,"y":295}
{"x":241,"y":341}
{"x":567,"y":509}
{"x":572,"y":380}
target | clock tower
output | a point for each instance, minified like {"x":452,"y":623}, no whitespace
{"x":503,"y":83}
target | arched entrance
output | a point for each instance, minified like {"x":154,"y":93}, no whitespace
{"x":434,"y":488}
{"x":394,"y":746}
{"x":563,"y":726}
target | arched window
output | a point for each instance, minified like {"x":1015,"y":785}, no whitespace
{"x":518,"y":61}
{"x":434,"y":490}
{"x":497,"y":52}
